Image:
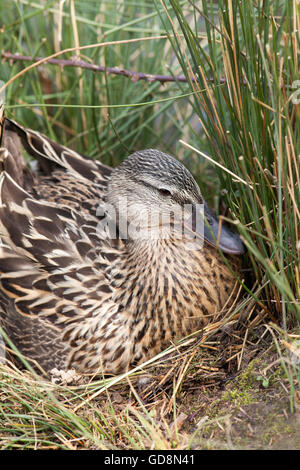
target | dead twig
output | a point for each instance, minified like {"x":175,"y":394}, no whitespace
{"x":75,"y":62}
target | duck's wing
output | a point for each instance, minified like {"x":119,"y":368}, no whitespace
{"x":54,"y":262}
{"x":51,"y":156}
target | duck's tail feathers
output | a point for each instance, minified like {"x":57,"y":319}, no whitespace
{"x":51,"y":155}
{"x":13,"y":163}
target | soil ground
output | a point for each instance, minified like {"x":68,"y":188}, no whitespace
{"x":243,"y":413}
{"x":249,"y":409}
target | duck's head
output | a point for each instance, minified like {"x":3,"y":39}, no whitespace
{"x":155,"y":194}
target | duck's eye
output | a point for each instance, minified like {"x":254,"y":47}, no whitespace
{"x":164,"y":192}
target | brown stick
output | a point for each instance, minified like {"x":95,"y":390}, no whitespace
{"x":134,"y":76}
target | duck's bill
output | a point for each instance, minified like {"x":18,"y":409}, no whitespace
{"x":215,"y":232}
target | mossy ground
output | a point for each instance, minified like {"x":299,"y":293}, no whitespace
{"x":242,"y":413}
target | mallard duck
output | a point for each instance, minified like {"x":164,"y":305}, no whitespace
{"x":74,"y":295}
